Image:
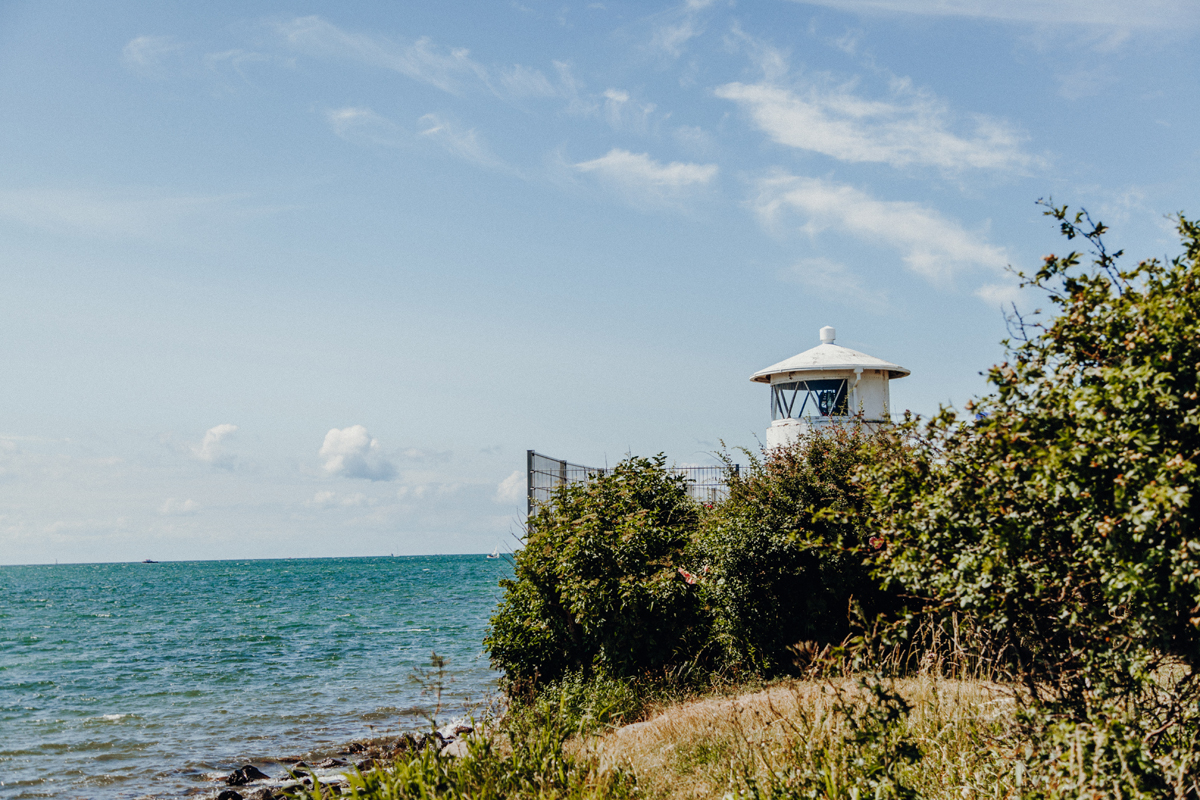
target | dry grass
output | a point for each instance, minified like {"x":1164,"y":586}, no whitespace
{"x":705,"y":748}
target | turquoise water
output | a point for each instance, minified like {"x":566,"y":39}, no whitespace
{"x":144,"y":680}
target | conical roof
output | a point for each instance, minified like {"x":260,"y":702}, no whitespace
{"x":829,"y":356}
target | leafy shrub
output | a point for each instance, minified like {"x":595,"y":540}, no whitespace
{"x":1063,"y":513}
{"x":790,"y":549}
{"x":596,"y":587}
{"x":535,"y":764}
{"x":588,"y":704}
{"x":1111,"y":754}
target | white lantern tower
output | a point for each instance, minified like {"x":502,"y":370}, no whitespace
{"x":827,"y":385}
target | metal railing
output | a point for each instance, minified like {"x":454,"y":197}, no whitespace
{"x":543,"y":473}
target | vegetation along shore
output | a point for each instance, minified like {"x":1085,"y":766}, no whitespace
{"x":1001,"y":602}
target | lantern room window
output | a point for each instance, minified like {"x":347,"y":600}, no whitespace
{"x":826,"y":398}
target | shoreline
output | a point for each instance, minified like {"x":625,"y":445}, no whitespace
{"x":258,"y":779}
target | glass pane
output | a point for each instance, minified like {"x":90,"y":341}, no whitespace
{"x":826,"y":398}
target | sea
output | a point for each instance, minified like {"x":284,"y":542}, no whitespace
{"x":152,"y":680}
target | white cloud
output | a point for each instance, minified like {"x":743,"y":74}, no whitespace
{"x":622,"y":114}
{"x":236,"y":60}
{"x":910,"y":129}
{"x":467,"y":145}
{"x":360,"y":125}
{"x":210,"y":451}
{"x":694,"y":139}
{"x":148,"y":54}
{"x":326,"y":499}
{"x":677,"y":27}
{"x":1107,"y":13}
{"x":520,"y":81}
{"x":999,"y":294}
{"x":351,"y":452}
{"x":571,"y":90}
{"x":420,"y":60}
{"x":771,"y":61}
{"x":932,"y":246}
{"x":1086,"y":82}
{"x":643,"y":178}
{"x":511,"y":489}
{"x":127,"y":214}
{"x":178,"y":508}
{"x":425,"y":491}
{"x":830,"y":278}
{"x":363,"y":126}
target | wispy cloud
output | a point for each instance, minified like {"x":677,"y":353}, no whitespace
{"x":420,"y":60}
{"x":353,"y":453}
{"x":642,"y":178}
{"x":149,"y":55}
{"x":468,"y":145}
{"x":622,"y":113}
{"x":328,"y":499}
{"x":911,"y":128}
{"x":236,"y":60}
{"x":363,"y":126}
{"x":1000,"y":294}
{"x":772,"y":61}
{"x":830,"y":278}
{"x":521,"y":81}
{"x":932,"y":246}
{"x":120,"y":214}
{"x":572,"y":91}
{"x":210,"y":449}
{"x":1107,"y":13}
{"x":675,"y":28}
{"x":178,"y":508}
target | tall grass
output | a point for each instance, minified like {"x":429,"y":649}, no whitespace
{"x":928,"y":715}
{"x":836,"y":737}
{"x":527,"y":759}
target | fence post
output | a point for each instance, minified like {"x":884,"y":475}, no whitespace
{"x":528,"y":483}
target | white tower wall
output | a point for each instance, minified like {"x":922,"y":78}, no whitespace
{"x":867,"y":391}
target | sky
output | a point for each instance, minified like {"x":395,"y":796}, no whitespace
{"x":307,"y":279}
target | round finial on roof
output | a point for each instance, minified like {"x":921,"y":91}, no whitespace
{"x":827,"y":335}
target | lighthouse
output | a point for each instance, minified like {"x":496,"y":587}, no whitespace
{"x":827,"y":385}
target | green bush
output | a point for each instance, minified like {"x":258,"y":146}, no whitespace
{"x":790,"y":550}
{"x":1060,"y":516}
{"x":527,"y":760}
{"x":596,"y":587}
{"x":624,"y":575}
{"x":1063,"y":512}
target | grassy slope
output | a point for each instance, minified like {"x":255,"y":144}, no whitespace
{"x":709,"y":747}
{"x":771,"y":742}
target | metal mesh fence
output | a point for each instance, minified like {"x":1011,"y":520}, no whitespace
{"x":705,"y":484}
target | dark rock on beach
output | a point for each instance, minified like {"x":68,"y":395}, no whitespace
{"x":229,"y":794}
{"x":246,"y":774}
{"x":265,"y":793}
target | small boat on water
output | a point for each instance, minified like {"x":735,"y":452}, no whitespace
{"x":149,"y":561}
{"x":495,"y":553}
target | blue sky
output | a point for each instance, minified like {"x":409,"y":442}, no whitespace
{"x":307,"y":279}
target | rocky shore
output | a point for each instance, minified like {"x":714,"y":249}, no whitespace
{"x":255,"y":781}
